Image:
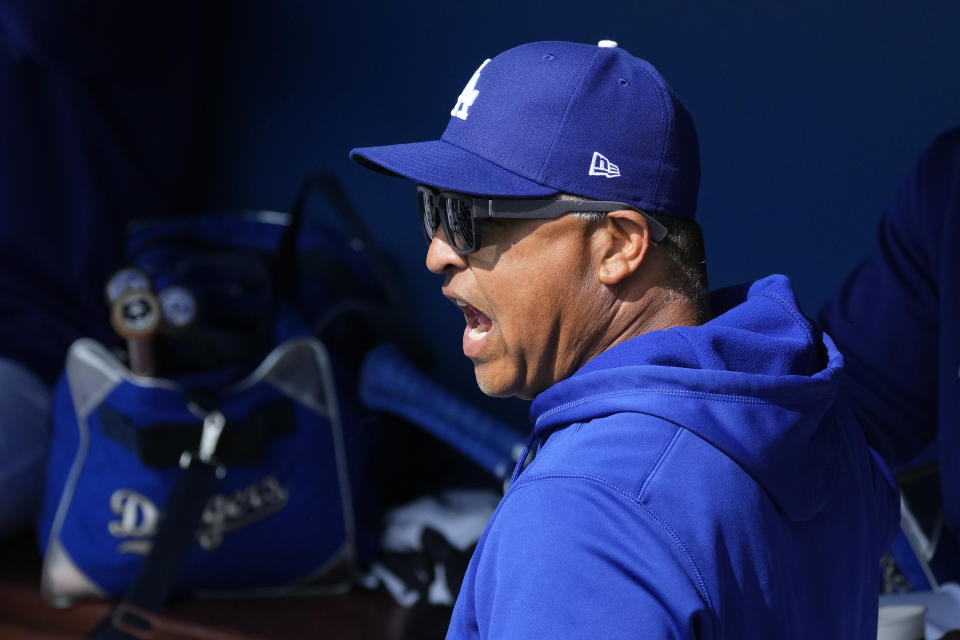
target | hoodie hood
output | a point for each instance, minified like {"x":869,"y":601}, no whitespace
{"x":757,"y":382}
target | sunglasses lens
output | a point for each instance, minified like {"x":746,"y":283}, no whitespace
{"x":460,"y":222}
{"x":428,"y":215}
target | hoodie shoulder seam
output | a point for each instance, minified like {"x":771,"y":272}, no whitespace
{"x":632,"y":391}
{"x":656,"y":464}
{"x":525,"y":481}
{"x":682,"y":549}
{"x":674,"y":537}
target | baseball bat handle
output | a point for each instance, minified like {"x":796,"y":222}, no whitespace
{"x":136,"y":316}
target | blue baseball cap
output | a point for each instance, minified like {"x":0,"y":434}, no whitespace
{"x":551,"y":117}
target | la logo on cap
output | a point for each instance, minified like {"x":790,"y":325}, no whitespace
{"x":468,"y":95}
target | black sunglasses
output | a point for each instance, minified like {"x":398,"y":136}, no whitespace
{"x":458,"y":213}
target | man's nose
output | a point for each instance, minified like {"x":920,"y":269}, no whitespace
{"x":440,"y":255}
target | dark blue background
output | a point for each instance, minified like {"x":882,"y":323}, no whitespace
{"x":808,"y":116}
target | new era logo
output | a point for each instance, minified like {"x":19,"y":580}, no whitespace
{"x":600,"y":166}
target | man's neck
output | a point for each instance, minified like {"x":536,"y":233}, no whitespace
{"x":657,"y":309}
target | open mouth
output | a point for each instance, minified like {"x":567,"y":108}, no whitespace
{"x":478,"y":325}
{"x":477,"y":331}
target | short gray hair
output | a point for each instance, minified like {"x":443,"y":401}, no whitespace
{"x":684,"y":248}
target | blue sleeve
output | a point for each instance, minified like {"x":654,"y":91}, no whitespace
{"x":570,"y":558}
{"x":885,"y":318}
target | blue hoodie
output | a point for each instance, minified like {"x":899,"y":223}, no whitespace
{"x":897,"y":319}
{"x":691,"y":483}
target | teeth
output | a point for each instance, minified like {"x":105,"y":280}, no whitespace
{"x":477,"y":333}
{"x":460,"y":303}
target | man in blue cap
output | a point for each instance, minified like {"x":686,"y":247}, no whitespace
{"x":686,"y":475}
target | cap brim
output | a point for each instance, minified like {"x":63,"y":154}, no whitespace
{"x":444,"y":166}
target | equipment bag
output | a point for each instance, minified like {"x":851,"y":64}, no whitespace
{"x":236,"y":379}
{"x":281,"y":513}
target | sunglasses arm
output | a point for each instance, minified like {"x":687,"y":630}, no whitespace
{"x":524,"y":209}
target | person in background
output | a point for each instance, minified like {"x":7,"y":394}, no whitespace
{"x":896,"y":321}
{"x":687,"y":475}
{"x":103,"y":114}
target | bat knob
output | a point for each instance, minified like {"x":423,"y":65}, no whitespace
{"x":178,"y":305}
{"x":136,"y":314}
{"x":124,"y":280}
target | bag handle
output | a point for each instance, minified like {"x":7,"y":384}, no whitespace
{"x":329,"y":186}
{"x":286,"y":274}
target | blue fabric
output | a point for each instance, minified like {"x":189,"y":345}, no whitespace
{"x":275,"y":523}
{"x":908,"y":565}
{"x":541,"y":112}
{"x":896,"y":321}
{"x":892,"y":319}
{"x":691,"y":483}
{"x":24,"y":435}
{"x":287,"y":517}
{"x":101,"y":122}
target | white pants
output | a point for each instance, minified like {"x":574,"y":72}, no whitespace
{"x":24,"y":439}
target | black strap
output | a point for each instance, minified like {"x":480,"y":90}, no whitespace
{"x":159,"y":445}
{"x":161,"y":568}
{"x":329,"y":186}
{"x":158,"y":574}
{"x":376,"y":257}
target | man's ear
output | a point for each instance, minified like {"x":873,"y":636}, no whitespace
{"x":626,"y":240}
